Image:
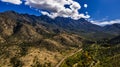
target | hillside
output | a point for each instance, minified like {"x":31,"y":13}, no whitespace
{"x":39,"y":41}
{"x":26,"y":42}
{"x":80,"y":27}
{"x":115,"y":40}
{"x":96,"y":55}
{"x":115,"y":29}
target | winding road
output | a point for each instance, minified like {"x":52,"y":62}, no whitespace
{"x":58,"y":65}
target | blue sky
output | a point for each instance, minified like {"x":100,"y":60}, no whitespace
{"x":103,"y":9}
{"x":18,"y":8}
{"x":99,"y":10}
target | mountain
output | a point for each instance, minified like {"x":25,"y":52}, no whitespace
{"x":114,"y":29}
{"x":27,"y":40}
{"x":39,"y":41}
{"x":70,"y":24}
{"x":81,"y":27}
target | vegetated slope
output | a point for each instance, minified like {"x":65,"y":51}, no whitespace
{"x":114,"y":28}
{"x":31,"y":41}
{"x":96,"y":55}
{"x":25,"y":41}
{"x":81,"y":27}
{"x":115,"y":40}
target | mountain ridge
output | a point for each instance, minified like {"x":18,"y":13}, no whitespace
{"x":34,"y":41}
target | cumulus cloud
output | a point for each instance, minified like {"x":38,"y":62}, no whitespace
{"x":104,"y":23}
{"x":55,"y":8}
{"x":17,"y":2}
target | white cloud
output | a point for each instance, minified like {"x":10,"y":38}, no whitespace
{"x":104,"y":23}
{"x":17,"y":2}
{"x":55,"y":8}
{"x":85,"y":5}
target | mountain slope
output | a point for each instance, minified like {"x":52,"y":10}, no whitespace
{"x":115,"y":29}
{"x":115,"y":40}
{"x":27,"y":41}
{"x":67,"y":23}
{"x":39,"y":41}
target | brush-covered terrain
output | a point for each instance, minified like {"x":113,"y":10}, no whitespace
{"x":27,"y":43}
{"x":105,"y":53}
{"x":33,"y":41}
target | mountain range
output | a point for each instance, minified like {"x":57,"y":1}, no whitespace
{"x":60,"y":24}
{"x":39,"y":41}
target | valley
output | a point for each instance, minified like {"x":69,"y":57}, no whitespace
{"x":39,"y":41}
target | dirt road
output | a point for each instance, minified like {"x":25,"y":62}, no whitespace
{"x":58,"y":65}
